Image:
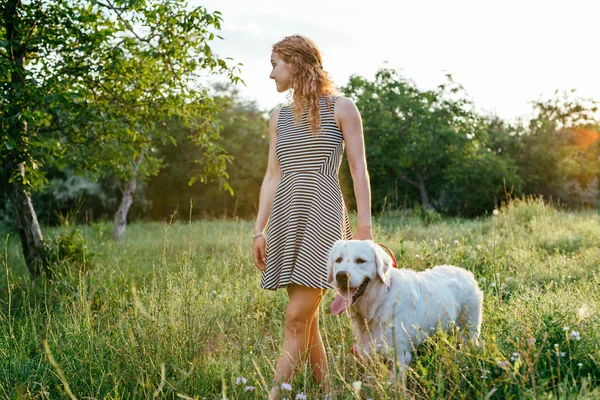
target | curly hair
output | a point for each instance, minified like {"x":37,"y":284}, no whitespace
{"x":308,"y":79}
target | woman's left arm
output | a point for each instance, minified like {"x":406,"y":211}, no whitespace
{"x":348,"y":118}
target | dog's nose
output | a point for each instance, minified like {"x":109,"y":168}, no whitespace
{"x":342,"y":277}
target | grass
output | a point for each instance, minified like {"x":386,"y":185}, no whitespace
{"x":176,"y":312}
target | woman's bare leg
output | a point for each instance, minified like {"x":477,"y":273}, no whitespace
{"x":302,"y":306}
{"x":318,"y":356}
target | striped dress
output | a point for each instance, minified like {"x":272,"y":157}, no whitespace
{"x":308,"y":213}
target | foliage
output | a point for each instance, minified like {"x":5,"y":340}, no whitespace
{"x":245,"y":138}
{"x":428,"y":140}
{"x":558,"y":150}
{"x":98,"y":82}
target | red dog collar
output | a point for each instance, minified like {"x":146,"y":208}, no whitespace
{"x":391,"y":253}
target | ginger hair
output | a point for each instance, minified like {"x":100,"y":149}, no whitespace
{"x":308,"y":79}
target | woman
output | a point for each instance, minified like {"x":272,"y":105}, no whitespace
{"x":301,"y":198}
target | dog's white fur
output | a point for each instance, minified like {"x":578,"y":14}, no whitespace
{"x":400,"y":307}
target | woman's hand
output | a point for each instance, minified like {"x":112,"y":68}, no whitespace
{"x":259,"y":253}
{"x":363,"y":233}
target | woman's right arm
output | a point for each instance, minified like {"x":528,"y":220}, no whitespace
{"x":267,"y":192}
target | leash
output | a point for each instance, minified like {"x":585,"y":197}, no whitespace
{"x":391,"y":254}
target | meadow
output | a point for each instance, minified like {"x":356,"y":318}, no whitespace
{"x":176,"y":312}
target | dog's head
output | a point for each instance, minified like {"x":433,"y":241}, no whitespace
{"x":351,"y":266}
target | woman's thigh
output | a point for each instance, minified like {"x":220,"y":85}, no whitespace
{"x":303,"y":302}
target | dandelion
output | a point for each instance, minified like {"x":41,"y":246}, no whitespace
{"x":575,"y":335}
{"x":240,"y":381}
{"x":249,"y":389}
{"x":493,"y":284}
{"x":286,"y":386}
{"x":300,"y":396}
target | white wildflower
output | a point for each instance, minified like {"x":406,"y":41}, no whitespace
{"x":356,"y":386}
{"x":556,"y":345}
{"x":300,"y":396}
{"x":493,"y":284}
{"x":575,"y":335}
{"x":495,"y":212}
{"x":565,"y":328}
{"x":240,"y":381}
{"x":249,"y":389}
{"x":286,"y":386}
{"x":456,"y":242}
{"x":580,"y":365}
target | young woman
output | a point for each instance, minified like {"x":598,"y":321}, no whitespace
{"x":301,"y":198}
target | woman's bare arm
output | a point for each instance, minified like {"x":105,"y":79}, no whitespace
{"x":349,"y":121}
{"x":267,"y":193}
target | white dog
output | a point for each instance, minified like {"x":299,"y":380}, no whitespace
{"x":394,"y":310}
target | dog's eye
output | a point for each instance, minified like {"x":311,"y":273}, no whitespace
{"x":339,"y":260}
{"x":360,"y":261}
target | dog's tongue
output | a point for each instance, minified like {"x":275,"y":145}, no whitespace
{"x":340,"y":304}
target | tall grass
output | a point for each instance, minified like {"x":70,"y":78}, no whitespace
{"x":176,"y":312}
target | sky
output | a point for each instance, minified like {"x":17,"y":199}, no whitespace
{"x":505,"y":54}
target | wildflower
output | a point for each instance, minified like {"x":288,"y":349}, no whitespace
{"x":356,"y":386}
{"x":556,"y":345}
{"x":580,"y":365}
{"x":493,"y":284}
{"x":249,"y":389}
{"x":286,"y":386}
{"x":515,"y":357}
{"x":531,"y":340}
{"x":240,"y":381}
{"x":502,"y":363}
{"x":495,"y":212}
{"x":561,"y":353}
{"x":575,"y":335}
{"x":565,"y":328}
{"x":456,"y":242}
{"x":300,"y":396}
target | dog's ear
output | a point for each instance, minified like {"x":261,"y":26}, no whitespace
{"x":330,"y":261}
{"x":383,"y":262}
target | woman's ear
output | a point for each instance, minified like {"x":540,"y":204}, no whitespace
{"x":383,"y":263}
{"x":332,"y":251}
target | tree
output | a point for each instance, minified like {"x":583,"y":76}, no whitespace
{"x":91,"y":83}
{"x":558,"y":150}
{"x":244,"y":137}
{"x":413,"y":135}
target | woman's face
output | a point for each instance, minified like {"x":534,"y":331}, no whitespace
{"x":280,"y":72}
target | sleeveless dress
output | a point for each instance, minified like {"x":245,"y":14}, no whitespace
{"x":308,"y":214}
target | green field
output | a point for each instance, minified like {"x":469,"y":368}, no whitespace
{"x":176,"y":312}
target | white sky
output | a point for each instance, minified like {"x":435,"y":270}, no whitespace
{"x":505,"y":53}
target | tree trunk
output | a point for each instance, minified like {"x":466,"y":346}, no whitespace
{"x":126,"y":201}
{"x":423,"y":191}
{"x":13,"y":165}
{"x":30,"y":233}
